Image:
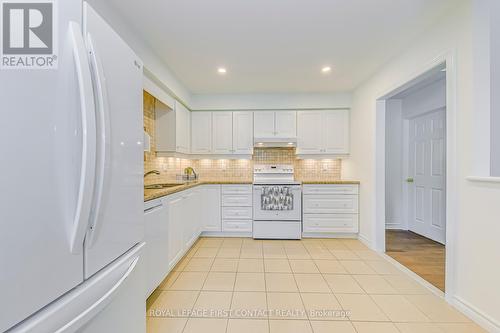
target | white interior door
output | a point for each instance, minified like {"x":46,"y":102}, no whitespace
{"x":427,"y":176}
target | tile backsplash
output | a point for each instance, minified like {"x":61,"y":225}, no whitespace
{"x":225,"y":169}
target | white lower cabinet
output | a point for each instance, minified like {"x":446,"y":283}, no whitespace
{"x":237,"y":211}
{"x":157,"y":244}
{"x":211,"y":208}
{"x":176,"y":207}
{"x":330,"y":209}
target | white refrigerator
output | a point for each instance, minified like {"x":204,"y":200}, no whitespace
{"x":71,"y":199}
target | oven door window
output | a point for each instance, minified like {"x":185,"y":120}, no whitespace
{"x":276,"y":198}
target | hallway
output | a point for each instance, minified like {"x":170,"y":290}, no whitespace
{"x":419,"y":254}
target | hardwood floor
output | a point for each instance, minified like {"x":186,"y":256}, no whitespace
{"x":421,"y":255}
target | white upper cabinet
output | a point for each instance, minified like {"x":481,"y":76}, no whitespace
{"x":263,"y":124}
{"x":201,"y":132}
{"x":183,"y":128}
{"x":309,"y":139}
{"x":285,"y":124}
{"x":172,"y":128}
{"x":222,"y":132}
{"x":323,"y":132}
{"x":336,"y":132}
{"x":275,"y":124}
{"x":243,"y":132}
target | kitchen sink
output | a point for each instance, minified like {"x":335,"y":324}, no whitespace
{"x":160,"y":186}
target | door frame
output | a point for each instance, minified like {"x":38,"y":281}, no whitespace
{"x":449,"y":60}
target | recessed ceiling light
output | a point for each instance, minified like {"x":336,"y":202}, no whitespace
{"x":326,"y":69}
{"x":221,"y":70}
{"x":260,"y":143}
{"x":290,"y":143}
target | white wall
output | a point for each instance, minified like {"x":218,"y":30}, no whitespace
{"x":477,"y":219}
{"x":394,"y":218}
{"x":152,"y":62}
{"x":270,"y":101}
{"x":429,"y":98}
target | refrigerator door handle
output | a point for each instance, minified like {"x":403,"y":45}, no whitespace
{"x":87,"y":108}
{"x":99,"y":305}
{"x":103,"y":143}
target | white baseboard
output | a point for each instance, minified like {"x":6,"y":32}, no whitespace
{"x":365,"y":241}
{"x":395,"y":226}
{"x":482,"y":319}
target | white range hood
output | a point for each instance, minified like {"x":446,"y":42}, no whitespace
{"x":275,"y":142}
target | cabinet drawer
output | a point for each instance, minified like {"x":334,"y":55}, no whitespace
{"x":328,"y":204}
{"x":237,"y":200}
{"x":329,"y":223}
{"x":236,"y":213}
{"x":331,"y":189}
{"x":237,"y":189}
{"x":237,"y":226}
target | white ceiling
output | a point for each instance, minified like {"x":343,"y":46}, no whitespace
{"x":271,"y":46}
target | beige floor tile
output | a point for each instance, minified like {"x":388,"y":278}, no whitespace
{"x":250,"y":282}
{"x":211,"y":242}
{"x":303,"y":266}
{"x":211,"y":304}
{"x":218,"y":281}
{"x":369,"y":327}
{"x":168,"y":281}
{"x":280,"y":282}
{"x":343,"y":284}
{"x":405,"y":285}
{"x":357,"y":267}
{"x":173,"y":303}
{"x":206,"y":252}
{"x":289,"y":326}
{"x":399,"y":309}
{"x":277,"y":265}
{"x":205,"y":325}
{"x":229,"y":252}
{"x":249,"y":305}
{"x":271,"y":243}
{"x":361,"y":307}
{"x":419,"y":328}
{"x":311,"y":283}
{"x":437,"y":309}
{"x":181,"y":264}
{"x":460,"y":328}
{"x":251,"y":252}
{"x":368,"y":255}
{"x":334,"y":244}
{"x":345,"y":255}
{"x":232,"y":242}
{"x":251,"y":265}
{"x":199,"y":265}
{"x":354,"y":244}
{"x":320,"y":253}
{"x":293,"y":253}
{"x":247,"y":326}
{"x":274,"y":253}
{"x":189,"y":281}
{"x":285,"y":306}
{"x":322,"y":306}
{"x":165,"y":325}
{"x":225,"y":265}
{"x":383,"y":267}
{"x":330,"y":267}
{"x":374,"y":284}
{"x":332,"y":327}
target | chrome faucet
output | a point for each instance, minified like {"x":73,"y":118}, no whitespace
{"x":156,"y":172}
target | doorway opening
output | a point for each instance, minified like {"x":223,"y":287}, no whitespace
{"x":415,"y":176}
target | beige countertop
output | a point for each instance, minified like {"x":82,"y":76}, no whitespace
{"x":150,"y":194}
{"x":326,"y":182}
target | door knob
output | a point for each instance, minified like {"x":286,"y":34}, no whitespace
{"x":410,"y":180}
